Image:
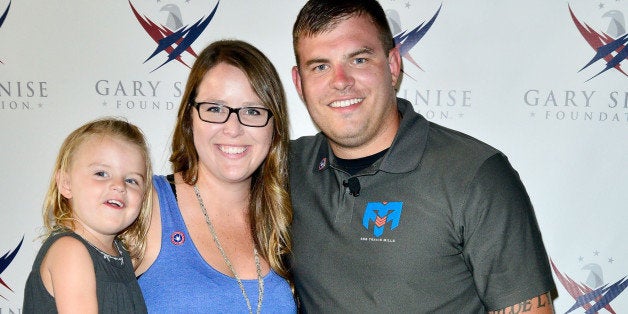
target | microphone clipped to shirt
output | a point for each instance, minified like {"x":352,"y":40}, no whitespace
{"x":354,"y":186}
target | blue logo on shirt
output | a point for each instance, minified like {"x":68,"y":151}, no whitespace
{"x":382,"y":213}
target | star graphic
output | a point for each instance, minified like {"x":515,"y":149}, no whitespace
{"x":596,"y":253}
{"x":611,"y":260}
{"x":601,"y":5}
{"x":580,"y":259}
{"x":104,"y":104}
{"x":408,"y":5}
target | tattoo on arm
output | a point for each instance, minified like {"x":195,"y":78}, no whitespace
{"x":539,"y":304}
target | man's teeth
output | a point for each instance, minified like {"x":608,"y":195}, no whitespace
{"x":345,"y":103}
{"x":114,"y":202}
{"x":232,"y":149}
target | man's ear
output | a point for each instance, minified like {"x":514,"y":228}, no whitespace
{"x":296,"y":79}
{"x":394,"y":62}
{"x":63,"y":183}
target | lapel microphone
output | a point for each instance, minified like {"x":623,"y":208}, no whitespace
{"x":354,"y":186}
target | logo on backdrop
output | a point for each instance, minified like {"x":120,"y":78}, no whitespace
{"x":602,"y":26}
{"x":5,"y":261}
{"x":406,"y":40}
{"x":4,"y":17}
{"x":378,"y":215}
{"x":408,"y":31}
{"x":22,"y":95}
{"x":589,"y":288}
{"x":174,"y":26}
{"x":171,"y":34}
{"x":584,"y":106}
{"x":610,"y":44}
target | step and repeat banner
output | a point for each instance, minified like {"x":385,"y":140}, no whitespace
{"x":544,"y":81}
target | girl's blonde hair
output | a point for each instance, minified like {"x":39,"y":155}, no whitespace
{"x":57,"y":212}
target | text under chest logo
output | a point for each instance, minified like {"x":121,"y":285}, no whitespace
{"x":381,"y":214}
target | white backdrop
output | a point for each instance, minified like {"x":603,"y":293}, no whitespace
{"x":506,"y":72}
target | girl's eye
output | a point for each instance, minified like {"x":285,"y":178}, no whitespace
{"x":100,"y":174}
{"x":132,"y":181}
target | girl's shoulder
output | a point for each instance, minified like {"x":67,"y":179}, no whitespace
{"x":67,"y":252}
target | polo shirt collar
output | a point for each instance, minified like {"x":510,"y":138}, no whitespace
{"x":406,"y":151}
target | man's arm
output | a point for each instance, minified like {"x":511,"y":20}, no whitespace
{"x":503,"y":242}
{"x":541,"y":304}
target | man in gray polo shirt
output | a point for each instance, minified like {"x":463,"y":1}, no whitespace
{"x":393,"y":213}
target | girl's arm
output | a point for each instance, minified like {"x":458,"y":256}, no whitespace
{"x":68,"y":274}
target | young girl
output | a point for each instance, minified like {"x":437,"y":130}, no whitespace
{"x":97,"y":206}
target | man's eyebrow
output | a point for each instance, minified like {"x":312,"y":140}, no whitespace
{"x":365,"y":50}
{"x":315,"y":61}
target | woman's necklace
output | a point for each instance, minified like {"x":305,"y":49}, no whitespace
{"x":260,"y":280}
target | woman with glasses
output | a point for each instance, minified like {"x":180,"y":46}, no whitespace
{"x":219,"y":230}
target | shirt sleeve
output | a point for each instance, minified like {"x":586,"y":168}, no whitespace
{"x":502,"y":246}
